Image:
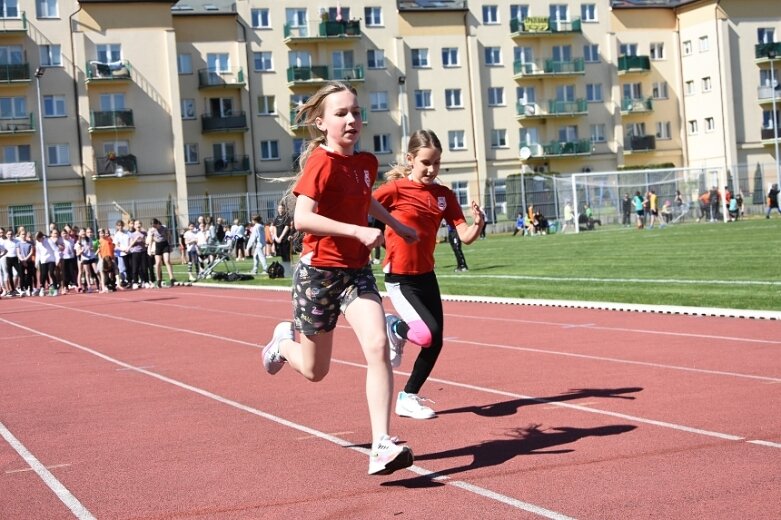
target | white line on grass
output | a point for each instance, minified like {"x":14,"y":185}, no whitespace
{"x":50,"y":480}
{"x":487,"y":493}
{"x":569,"y":279}
{"x":662,"y":424}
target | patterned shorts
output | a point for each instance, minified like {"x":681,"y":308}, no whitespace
{"x":321,"y":293}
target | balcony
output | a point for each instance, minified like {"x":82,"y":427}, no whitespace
{"x":534,"y":26}
{"x":549,"y":68}
{"x":316,"y":74}
{"x":231,"y":123}
{"x":567,"y":148}
{"x":14,"y":73}
{"x":329,"y":30}
{"x":111,"y":120}
{"x":640,"y":143}
{"x":17,"y":126}
{"x":18,"y":172}
{"x":115,"y":166}
{"x":351,"y":74}
{"x":99,"y":72}
{"x":768,"y":135}
{"x":555,"y":108}
{"x":633,"y":65}
{"x":229,"y":78}
{"x":13,"y":25}
{"x":226,"y":166}
{"x":636,"y":106}
{"x":763,"y":50}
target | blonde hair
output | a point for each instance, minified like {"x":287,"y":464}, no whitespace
{"x":418,"y":140}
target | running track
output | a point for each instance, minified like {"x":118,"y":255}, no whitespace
{"x":153,"y":404}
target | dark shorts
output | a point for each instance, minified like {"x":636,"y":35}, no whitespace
{"x":320,"y":294}
{"x":87,"y":261}
{"x":655,"y":213}
{"x":640,"y":212}
{"x":162,"y":247}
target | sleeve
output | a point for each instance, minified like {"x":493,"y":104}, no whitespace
{"x":314,"y":178}
{"x":454,"y":215}
{"x":386,"y":194}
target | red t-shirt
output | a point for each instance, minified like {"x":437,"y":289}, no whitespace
{"x":341,"y":185}
{"x":421,"y":207}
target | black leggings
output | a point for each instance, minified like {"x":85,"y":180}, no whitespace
{"x":49,"y":270}
{"x":12,"y":267}
{"x":417,"y":300}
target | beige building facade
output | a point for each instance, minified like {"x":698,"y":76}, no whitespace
{"x":158,"y":108}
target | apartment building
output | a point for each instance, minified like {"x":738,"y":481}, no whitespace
{"x":152,"y":108}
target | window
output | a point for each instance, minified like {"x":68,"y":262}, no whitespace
{"x":54,"y":106}
{"x":267,"y":105}
{"x":635,"y":130}
{"x":461,"y":190}
{"x":496,"y":96}
{"x":262,"y":61}
{"x":21,"y":216}
{"x":420,"y":58}
{"x":588,"y":12}
{"x":188,"y":108}
{"x":260,"y":18}
{"x":453,"y":98}
{"x":526,"y":95}
{"x":593,"y":92}
{"x":633,"y":91}
{"x":423,"y":99}
{"x":529,"y":136}
{"x":689,"y":87}
{"x":13,"y":108}
{"x":519,"y":12}
{"x":559,"y":12}
{"x":704,"y":44}
{"x":375,"y":58}
{"x":627,"y":49}
{"x":591,"y":53}
{"x":118,"y":147}
{"x":17,"y":153}
{"x":191,"y":153}
{"x":382,"y":143}
{"x":692,"y":126}
{"x":51,"y":56}
{"x":562,"y":53}
{"x":657,"y":51}
{"x":659,"y":90}
{"x":706,"y":84}
{"x":498,"y":138}
{"x":766,"y":35}
{"x":687,"y":48}
{"x":57,"y":155}
{"x":269,"y":150}
{"x":565,"y":93}
{"x":296,"y":21}
{"x":663,"y":130}
{"x":45,"y":8}
{"x":184,"y":64}
{"x":378,"y":101}
{"x":710,"y":124}
{"x":598,"y":134}
{"x":373,"y":16}
{"x":768,"y":120}
{"x":109,"y":52}
{"x":218,"y":62}
{"x":490,"y":14}
{"x":450,"y":57}
{"x":493,"y":55}
{"x":568,"y":134}
{"x":456,"y":140}
{"x":63,"y":213}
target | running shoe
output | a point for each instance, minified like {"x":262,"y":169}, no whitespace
{"x":411,"y":405}
{"x":387,"y":457}
{"x":395,"y":342}
{"x":273,"y":361}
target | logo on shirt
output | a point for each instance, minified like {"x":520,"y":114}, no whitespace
{"x":367,"y":178}
{"x":441,"y":203}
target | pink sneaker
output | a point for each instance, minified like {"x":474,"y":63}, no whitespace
{"x":387,"y":457}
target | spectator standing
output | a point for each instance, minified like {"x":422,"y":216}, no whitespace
{"x":162,"y":247}
{"x":137,"y":251}
{"x":70,"y":274}
{"x":519,"y":224}
{"x":772,"y":200}
{"x":569,"y":216}
{"x":639,"y":205}
{"x":27,"y":264}
{"x":121,"y":238}
{"x":626,"y":211}
{"x":257,"y":242}
{"x":190,"y":238}
{"x":280,"y":233}
{"x":11,"y":259}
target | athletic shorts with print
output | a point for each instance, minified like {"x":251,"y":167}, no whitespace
{"x":321,"y":293}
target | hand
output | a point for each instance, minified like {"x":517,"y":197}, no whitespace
{"x":477,"y":214}
{"x":369,"y":236}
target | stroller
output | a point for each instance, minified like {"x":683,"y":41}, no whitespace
{"x":215,"y":255}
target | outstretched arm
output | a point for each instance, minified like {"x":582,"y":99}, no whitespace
{"x":379,"y":212}
{"x":469,"y":234}
{"x":309,"y":221}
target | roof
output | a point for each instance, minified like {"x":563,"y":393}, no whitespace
{"x":431,"y":5}
{"x":204,"y":7}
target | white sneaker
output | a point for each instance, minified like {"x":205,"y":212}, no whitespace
{"x":386,"y":457}
{"x":273,"y":361}
{"x":395,"y":342}
{"x":411,"y":405}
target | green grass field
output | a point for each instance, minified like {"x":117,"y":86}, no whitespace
{"x":733,"y":265}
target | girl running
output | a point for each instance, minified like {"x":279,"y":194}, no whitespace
{"x":413,"y":197}
{"x":333,"y":201}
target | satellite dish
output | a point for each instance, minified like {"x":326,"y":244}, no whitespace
{"x":525,"y":153}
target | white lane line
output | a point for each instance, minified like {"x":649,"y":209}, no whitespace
{"x":25,"y":470}
{"x":487,"y":493}
{"x":307,"y":437}
{"x":50,"y":480}
{"x":443,"y":381}
{"x":766,"y":443}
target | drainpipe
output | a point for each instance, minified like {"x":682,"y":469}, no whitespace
{"x":78,"y":114}
{"x":249,"y":111}
{"x":472,"y":103}
{"x":723,"y":115}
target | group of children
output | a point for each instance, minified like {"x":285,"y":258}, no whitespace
{"x":333,"y":200}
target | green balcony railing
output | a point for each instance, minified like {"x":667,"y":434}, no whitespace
{"x":640,"y":143}
{"x":634,"y":64}
{"x":111,"y":119}
{"x":558,"y":107}
{"x":540,"y":25}
{"x":762,"y":51}
{"x":549,"y":67}
{"x":236,"y":164}
{"x":343,"y":28}
{"x":314,"y":73}
{"x":221,"y":78}
{"x":349,"y":74}
{"x":580,"y":147}
{"x":13,"y":23}
{"x":10,"y":73}
{"x":116,"y":165}
{"x":234,"y":122}
{"x":114,"y":71}
{"x":17,"y":126}
{"x":631,"y":105}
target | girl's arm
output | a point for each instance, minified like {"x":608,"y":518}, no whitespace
{"x":469,"y":234}
{"x":379,"y":212}
{"x":307,"y":220}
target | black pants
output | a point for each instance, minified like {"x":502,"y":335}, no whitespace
{"x":27,"y":268}
{"x":12,"y":267}
{"x":455,"y":244}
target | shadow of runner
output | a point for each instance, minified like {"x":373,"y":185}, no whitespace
{"x":524,"y":441}
{"x":504,"y":408}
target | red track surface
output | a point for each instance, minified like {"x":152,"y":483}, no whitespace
{"x":153,"y":404}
